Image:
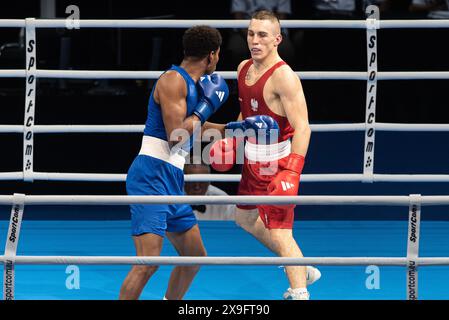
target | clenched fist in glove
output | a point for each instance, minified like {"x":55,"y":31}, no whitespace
{"x":213,"y":92}
{"x":286,"y":181}
{"x":264,"y":127}
{"x":223,"y":153}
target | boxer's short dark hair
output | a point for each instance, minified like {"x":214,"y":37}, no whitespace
{"x":199,"y":41}
{"x":265,"y":15}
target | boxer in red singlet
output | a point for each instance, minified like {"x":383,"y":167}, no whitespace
{"x":268,"y":86}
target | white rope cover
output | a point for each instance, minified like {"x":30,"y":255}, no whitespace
{"x":316,"y":24}
{"x":116,"y":260}
{"x":199,"y":200}
{"x":331,"y":177}
{"x":137,"y":128}
{"x":306,"y":75}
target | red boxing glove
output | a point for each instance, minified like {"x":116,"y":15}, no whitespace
{"x":286,"y":182}
{"x":222,"y":154}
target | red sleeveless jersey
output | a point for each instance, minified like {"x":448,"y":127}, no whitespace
{"x":252,"y":102}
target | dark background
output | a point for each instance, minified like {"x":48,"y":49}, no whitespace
{"x":61,"y":101}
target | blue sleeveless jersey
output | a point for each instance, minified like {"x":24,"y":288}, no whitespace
{"x":154,"y":125}
{"x":149,"y":175}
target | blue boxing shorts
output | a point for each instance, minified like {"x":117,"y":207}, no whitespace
{"x":150,"y":175}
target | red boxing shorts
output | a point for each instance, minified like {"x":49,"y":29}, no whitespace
{"x":262,"y":163}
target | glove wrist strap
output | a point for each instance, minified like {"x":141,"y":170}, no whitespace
{"x":295,"y":163}
{"x":203,"y":111}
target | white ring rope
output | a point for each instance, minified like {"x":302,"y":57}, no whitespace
{"x":306,"y":75}
{"x":131,"y":128}
{"x":329,"y":177}
{"x":117,"y":260}
{"x":370,"y":24}
{"x":412,"y":200}
{"x":200,"y":200}
{"x":316,"y":24}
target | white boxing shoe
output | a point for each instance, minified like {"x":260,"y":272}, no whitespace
{"x":312,"y":275}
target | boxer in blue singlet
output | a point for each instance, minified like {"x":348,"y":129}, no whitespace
{"x":183,"y":95}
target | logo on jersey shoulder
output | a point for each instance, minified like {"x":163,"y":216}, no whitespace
{"x":220,"y":95}
{"x":254,"y":104}
{"x":286,"y":185}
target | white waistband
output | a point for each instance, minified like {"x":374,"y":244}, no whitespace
{"x":158,"y":148}
{"x":267,"y":152}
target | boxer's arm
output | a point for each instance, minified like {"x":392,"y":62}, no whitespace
{"x":171,"y":93}
{"x":215,"y":126}
{"x":289,"y":88}
{"x":218,"y":126}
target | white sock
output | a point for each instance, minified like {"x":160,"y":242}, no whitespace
{"x":300,"y":294}
{"x":296,"y":294}
{"x":299,"y":291}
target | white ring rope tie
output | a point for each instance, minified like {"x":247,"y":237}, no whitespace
{"x":371,"y":94}
{"x":30,"y":101}
{"x":12,"y":241}
{"x":413,"y":239}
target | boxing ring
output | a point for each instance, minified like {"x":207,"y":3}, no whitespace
{"x":76,"y":247}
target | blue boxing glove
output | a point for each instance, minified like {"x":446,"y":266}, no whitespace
{"x":264,"y":127}
{"x":213,"y":93}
